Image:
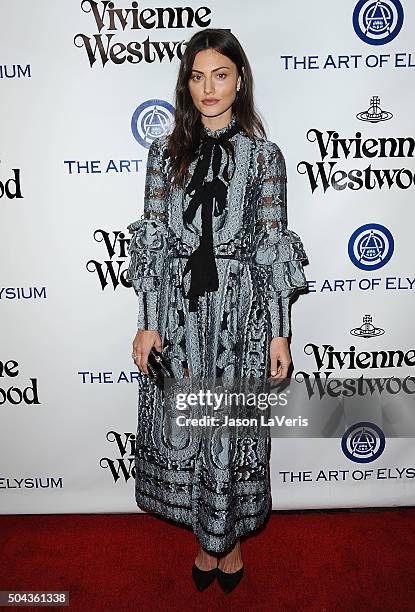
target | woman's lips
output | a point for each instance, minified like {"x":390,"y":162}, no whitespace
{"x":210,"y":102}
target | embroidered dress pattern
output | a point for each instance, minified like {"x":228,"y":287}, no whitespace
{"x":220,"y":488}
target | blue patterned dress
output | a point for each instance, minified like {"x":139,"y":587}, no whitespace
{"x":221,"y":491}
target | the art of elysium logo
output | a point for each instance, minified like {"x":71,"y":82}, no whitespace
{"x":371,"y":246}
{"x":377,"y":22}
{"x":363,"y":442}
{"x":150,"y":120}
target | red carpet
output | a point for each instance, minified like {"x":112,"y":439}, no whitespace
{"x":302,"y":561}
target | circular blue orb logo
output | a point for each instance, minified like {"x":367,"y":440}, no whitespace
{"x":371,"y":246}
{"x":363,"y":442}
{"x":150,"y":120}
{"x":377,"y":22}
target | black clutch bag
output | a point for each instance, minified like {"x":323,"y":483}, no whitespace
{"x":158,"y":367}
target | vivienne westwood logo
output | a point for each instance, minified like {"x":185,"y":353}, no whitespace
{"x":367,"y":330}
{"x":334,"y":150}
{"x":374,"y":113}
{"x":113,"y":22}
{"x":113,"y":270}
{"x":121,"y":465}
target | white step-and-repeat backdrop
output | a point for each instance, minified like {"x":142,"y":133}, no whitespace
{"x":85,"y":87}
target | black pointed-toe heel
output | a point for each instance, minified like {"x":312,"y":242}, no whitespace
{"x":203,"y":578}
{"x":229,"y":581}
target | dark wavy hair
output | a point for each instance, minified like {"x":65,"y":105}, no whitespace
{"x":185,"y":137}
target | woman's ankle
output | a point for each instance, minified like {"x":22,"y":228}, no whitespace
{"x":232,"y":561}
{"x":205,"y":560}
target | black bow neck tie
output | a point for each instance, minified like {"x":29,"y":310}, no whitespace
{"x":201,"y":263}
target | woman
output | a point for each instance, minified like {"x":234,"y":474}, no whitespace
{"x":214,"y":267}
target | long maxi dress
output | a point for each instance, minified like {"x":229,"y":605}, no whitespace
{"x":259,"y":264}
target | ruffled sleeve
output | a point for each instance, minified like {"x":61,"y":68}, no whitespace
{"x":148,"y":243}
{"x":278,"y":251}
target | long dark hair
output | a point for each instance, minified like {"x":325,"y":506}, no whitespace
{"x":185,"y":137}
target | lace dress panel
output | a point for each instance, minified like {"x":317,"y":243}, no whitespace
{"x":148,"y":243}
{"x":279,"y":251}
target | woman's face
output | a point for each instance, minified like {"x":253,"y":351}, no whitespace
{"x":213,"y":82}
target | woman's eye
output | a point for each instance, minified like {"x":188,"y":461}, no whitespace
{"x":197,"y":77}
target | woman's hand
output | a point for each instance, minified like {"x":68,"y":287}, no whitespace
{"x":144,"y":341}
{"x":280,"y":357}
